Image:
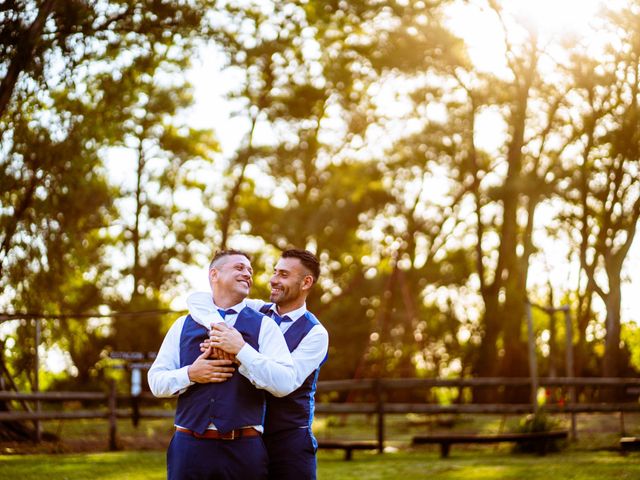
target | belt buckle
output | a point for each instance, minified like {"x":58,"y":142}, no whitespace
{"x":226,"y":436}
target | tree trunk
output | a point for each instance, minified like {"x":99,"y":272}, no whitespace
{"x":135,"y":269}
{"x":486,"y":365}
{"x":515,"y":362}
{"x":612,"y":366}
{"x":18,"y":215}
{"x":23,"y":54}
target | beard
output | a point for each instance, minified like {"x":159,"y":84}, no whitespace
{"x":281,"y":295}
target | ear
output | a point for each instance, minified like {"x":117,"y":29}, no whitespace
{"x":213,"y":275}
{"x":307,"y":282}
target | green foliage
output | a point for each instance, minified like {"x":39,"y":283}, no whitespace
{"x":363,"y":123}
{"x":600,"y":195}
{"x":296,"y":84}
{"x":79,"y":68}
{"x":538,"y":422}
{"x":631,"y":339}
{"x":157,"y":233}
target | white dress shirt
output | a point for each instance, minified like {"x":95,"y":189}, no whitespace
{"x":307,"y":356}
{"x":270,"y":368}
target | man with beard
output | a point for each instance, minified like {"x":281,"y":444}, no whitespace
{"x":219,"y":415}
{"x":288,"y":437}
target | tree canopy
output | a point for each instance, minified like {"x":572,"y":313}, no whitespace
{"x":440,"y":196}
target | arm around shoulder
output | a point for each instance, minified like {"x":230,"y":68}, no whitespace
{"x":270,"y":368}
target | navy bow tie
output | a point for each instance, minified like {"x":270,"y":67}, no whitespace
{"x":278,"y":319}
{"x":223,"y":313}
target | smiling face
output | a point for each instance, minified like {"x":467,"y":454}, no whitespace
{"x":290,"y":284}
{"x":231,"y":278}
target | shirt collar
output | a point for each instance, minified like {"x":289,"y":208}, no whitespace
{"x":204,"y":311}
{"x":237,"y":307}
{"x":294,"y":314}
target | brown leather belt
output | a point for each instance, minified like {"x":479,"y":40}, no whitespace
{"x":215,"y":434}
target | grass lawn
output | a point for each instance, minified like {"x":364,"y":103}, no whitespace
{"x":482,"y":464}
{"x":92,"y":466}
{"x":79,"y":453}
{"x":595,"y":431}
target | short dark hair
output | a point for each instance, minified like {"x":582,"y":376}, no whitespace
{"x":226,"y":253}
{"x":308,"y":259}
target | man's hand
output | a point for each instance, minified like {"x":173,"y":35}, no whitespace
{"x":203,"y":370}
{"x":221,"y":354}
{"x":216,"y":352}
{"x":226,"y":338}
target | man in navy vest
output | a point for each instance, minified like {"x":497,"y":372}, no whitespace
{"x":220,"y":415}
{"x":288,"y":437}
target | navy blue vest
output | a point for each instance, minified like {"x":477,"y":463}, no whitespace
{"x":228,"y":405}
{"x":296,"y":409}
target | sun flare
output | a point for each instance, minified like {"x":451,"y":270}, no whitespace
{"x":556,"y":16}
{"x":483,"y":33}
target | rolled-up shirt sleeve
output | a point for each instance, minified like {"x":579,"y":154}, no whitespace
{"x":165,"y":377}
{"x":270,"y":368}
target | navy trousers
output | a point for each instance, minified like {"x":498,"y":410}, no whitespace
{"x":190,"y":458}
{"x":292,"y":454}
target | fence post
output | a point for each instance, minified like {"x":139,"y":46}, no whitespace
{"x":136,"y":390}
{"x":113,"y":440}
{"x":533,"y":361}
{"x":570,"y":368}
{"x":379,"y":393}
{"x":36,"y":381}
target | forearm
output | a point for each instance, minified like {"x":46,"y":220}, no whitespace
{"x":166,"y":378}
{"x":275,"y":376}
{"x":166,"y":383}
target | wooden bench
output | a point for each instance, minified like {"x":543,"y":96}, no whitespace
{"x":542,"y":439}
{"x":629,"y":444}
{"x":348,"y":446}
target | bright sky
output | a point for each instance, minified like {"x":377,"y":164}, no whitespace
{"x":550,"y":18}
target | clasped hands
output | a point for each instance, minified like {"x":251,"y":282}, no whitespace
{"x":223,"y":344}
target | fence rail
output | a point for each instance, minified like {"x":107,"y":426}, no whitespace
{"x":377,"y":388}
{"x":406,"y":383}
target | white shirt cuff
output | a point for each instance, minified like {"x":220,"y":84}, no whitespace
{"x":183,"y":378}
{"x":247,"y":354}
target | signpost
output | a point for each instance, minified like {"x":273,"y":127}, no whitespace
{"x":135,"y":362}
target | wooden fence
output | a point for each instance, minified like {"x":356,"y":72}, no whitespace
{"x":374,"y":390}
